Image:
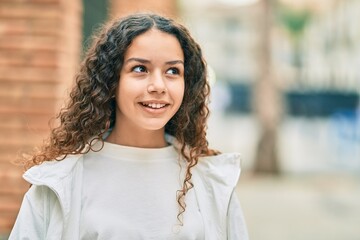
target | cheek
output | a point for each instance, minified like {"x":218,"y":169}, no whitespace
{"x":182,"y":93}
{"x":180,"y":88}
{"x":126,"y":88}
{"x":123,"y":95}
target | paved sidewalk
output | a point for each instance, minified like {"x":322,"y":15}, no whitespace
{"x":301,"y":207}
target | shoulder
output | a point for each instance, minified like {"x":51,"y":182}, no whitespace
{"x":223,"y":169}
{"x":214,"y":179}
{"x":54,"y":170}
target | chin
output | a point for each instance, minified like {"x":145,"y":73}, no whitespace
{"x":154,"y":127}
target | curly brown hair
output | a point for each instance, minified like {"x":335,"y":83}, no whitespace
{"x":90,"y":111}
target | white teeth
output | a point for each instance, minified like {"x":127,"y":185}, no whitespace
{"x":154,"y":105}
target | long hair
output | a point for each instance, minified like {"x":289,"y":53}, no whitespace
{"x":90,"y":111}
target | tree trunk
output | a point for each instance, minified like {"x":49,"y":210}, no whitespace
{"x":266,"y":99}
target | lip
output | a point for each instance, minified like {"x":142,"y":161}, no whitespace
{"x":154,"y":101}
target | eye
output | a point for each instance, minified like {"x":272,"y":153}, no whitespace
{"x":139,"y":69}
{"x":173,"y":71}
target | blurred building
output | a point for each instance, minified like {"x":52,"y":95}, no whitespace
{"x":321,"y":57}
{"x":328,"y":45}
{"x":314,"y":59}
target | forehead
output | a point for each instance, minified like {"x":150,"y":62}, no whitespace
{"x":155,"y":44}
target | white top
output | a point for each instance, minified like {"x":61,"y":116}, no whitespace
{"x":130,"y":193}
{"x":51,"y":208}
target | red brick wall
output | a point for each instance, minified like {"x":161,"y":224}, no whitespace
{"x":39,"y":51}
{"x":124,"y":7}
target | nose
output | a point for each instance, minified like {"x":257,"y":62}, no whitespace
{"x":156,"y":83}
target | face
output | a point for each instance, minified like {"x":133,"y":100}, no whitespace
{"x":151,"y":86}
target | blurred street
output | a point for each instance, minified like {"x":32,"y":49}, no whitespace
{"x":301,"y":207}
{"x":317,"y":195}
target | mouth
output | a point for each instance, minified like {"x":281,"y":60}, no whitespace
{"x":154,"y":105}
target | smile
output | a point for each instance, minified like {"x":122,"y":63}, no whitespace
{"x":154,"y":105}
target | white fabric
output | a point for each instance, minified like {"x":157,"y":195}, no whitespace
{"x":131,"y":192}
{"x":51,"y":209}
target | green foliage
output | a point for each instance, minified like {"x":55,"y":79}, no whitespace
{"x":293,"y":20}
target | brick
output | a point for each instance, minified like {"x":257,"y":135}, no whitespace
{"x":124,"y":7}
{"x":29,"y":90}
{"x":32,"y":1}
{"x":30,"y":42}
{"x":11,"y":176}
{"x":22,"y":122}
{"x":9,"y":160}
{"x":25,"y":111}
{"x":29,"y":59}
{"x":31,"y":103}
{"x":10,"y":173}
{"x":6,"y":222}
{"x":19,"y":140}
{"x":15,"y":159}
{"x":24,"y":46}
{"x":25,"y":74}
{"x":29,"y":11}
{"x":27,"y":103}
{"x":9,"y":27}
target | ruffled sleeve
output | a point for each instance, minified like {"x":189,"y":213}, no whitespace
{"x":215,"y":179}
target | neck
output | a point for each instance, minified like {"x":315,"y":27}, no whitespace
{"x":138,"y":138}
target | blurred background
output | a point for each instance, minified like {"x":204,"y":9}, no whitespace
{"x":285,"y":77}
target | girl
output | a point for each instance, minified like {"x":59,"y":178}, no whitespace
{"x":130,"y":159}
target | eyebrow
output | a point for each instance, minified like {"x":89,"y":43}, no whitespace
{"x":141,"y":60}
